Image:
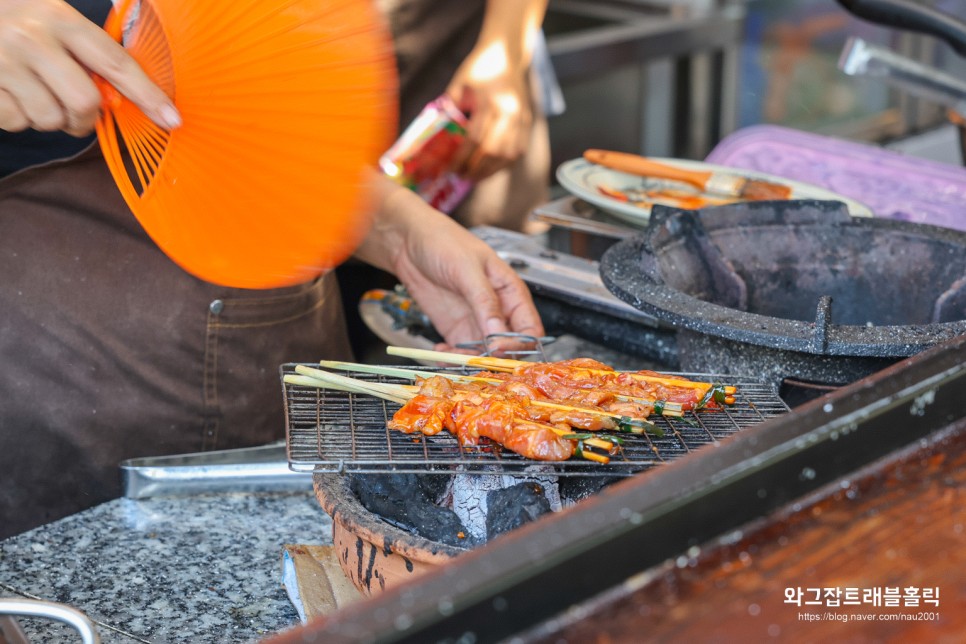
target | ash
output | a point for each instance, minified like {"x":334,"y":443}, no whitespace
{"x":530,"y":495}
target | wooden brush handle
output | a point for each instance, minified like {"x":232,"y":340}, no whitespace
{"x":634,"y":164}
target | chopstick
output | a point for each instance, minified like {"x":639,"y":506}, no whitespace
{"x":506,"y":364}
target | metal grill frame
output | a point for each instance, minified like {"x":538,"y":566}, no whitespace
{"x":335,"y":431}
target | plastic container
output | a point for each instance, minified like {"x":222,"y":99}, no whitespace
{"x":422,"y":158}
{"x":893,"y":185}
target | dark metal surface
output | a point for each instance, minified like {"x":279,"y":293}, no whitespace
{"x":573,"y":213}
{"x":526,"y":577}
{"x":571,"y":297}
{"x":663,"y":72}
{"x":334,"y":431}
{"x":631,"y":338}
{"x":560,"y":275}
{"x":798,"y":288}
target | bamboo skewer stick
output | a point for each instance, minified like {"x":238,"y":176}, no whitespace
{"x":668,"y":409}
{"x":379,"y":389}
{"x":310,"y":381}
{"x":506,"y":364}
{"x":318,"y":378}
{"x":484,"y":362}
{"x":401,"y":372}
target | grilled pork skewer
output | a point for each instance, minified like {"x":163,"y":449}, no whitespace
{"x":662,"y":407}
{"x":632,"y":418}
{"x":498,"y":420}
{"x":439,"y":387}
{"x":585,"y":370}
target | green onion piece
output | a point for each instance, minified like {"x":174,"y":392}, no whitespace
{"x":632,"y":425}
{"x":659,"y":407}
{"x":577,"y":437}
{"x":715,"y":392}
{"x":635,"y":426}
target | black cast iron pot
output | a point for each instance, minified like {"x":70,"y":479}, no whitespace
{"x":793,"y":290}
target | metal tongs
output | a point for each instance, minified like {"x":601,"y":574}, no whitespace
{"x":251,"y":469}
{"x":11,"y":633}
{"x":859,"y":58}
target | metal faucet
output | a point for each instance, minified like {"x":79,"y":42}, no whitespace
{"x":859,"y":58}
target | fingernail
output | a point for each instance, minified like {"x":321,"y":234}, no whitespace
{"x":170,"y":117}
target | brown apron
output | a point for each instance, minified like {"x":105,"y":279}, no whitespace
{"x":108,"y":350}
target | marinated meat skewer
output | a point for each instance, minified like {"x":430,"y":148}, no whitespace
{"x":594,"y":383}
{"x":589,"y":374}
{"x":495,"y":419}
{"x":550,"y":413}
{"x":503,"y":421}
{"x":611,"y":411}
{"x":532,"y":408}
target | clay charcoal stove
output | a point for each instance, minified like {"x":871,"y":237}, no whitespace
{"x":403,"y":504}
{"x":390,"y":527}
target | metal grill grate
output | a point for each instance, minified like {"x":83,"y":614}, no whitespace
{"x":334,"y":431}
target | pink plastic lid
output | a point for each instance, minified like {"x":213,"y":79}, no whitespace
{"x":893,"y":185}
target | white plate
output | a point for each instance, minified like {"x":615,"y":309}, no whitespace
{"x":583,"y":179}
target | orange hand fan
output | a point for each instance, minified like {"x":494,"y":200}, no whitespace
{"x":284,"y":103}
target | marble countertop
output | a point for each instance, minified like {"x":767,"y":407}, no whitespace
{"x":201,"y":568}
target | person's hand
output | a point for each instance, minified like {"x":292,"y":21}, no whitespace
{"x":461,"y":283}
{"x":47,"y":54}
{"x":492,"y":85}
{"x":493,"y":91}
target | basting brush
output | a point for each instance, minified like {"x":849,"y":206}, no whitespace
{"x":711,"y":182}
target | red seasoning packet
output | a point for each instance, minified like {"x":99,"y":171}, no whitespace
{"x":421,"y":158}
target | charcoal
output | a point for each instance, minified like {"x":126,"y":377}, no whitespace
{"x":402,"y":500}
{"x":387,"y":485}
{"x":512,"y":507}
{"x":434,"y":485}
{"x":577,"y":488}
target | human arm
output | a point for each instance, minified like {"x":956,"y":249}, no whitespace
{"x":48,"y":51}
{"x":456,"y":279}
{"x":492,"y":86}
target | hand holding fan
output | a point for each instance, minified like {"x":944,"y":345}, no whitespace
{"x":284,"y":104}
